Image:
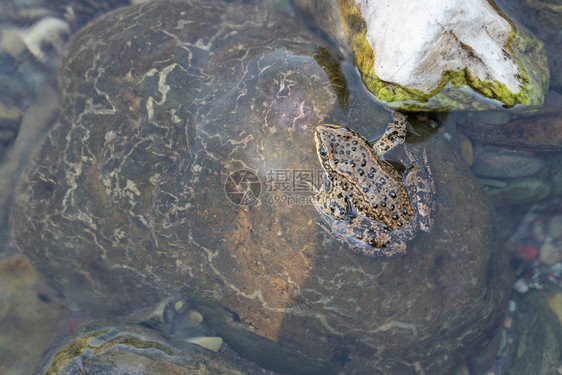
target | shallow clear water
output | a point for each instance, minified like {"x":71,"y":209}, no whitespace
{"x":524,"y":182}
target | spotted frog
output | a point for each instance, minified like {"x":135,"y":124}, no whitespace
{"x":367,"y":203}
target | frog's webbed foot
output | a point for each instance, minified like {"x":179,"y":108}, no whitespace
{"x":393,"y":136}
{"x":375,"y":242}
{"x":420,"y":184}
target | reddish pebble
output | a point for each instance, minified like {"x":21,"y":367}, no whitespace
{"x":527,"y":252}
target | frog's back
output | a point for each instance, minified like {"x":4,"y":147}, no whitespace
{"x":376,"y":188}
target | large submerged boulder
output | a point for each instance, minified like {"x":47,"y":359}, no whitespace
{"x":181,"y":165}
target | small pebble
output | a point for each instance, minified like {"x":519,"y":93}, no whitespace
{"x":503,"y":342}
{"x":521,"y":286}
{"x":492,"y":117}
{"x":422,"y":117}
{"x":506,"y":164}
{"x":527,"y":252}
{"x":520,"y":190}
{"x":507,"y":322}
{"x":550,"y":254}
{"x":534,"y":133}
{"x":193,"y":318}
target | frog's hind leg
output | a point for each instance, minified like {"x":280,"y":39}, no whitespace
{"x":420,"y":184}
{"x":393,"y":136}
{"x":364,"y":236}
{"x":375,"y":240}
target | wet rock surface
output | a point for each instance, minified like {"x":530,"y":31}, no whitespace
{"x":124,"y":203}
{"x":542,"y":132}
{"x":498,"y":163}
{"x":516,"y":158}
{"x":122,"y":349}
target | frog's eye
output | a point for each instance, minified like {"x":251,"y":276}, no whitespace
{"x":323,"y":152}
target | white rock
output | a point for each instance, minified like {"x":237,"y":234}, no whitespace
{"x":521,"y":286}
{"x":416,"y":41}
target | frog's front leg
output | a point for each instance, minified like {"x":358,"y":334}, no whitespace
{"x":420,"y":184}
{"x":332,"y":204}
{"x":394,"y":134}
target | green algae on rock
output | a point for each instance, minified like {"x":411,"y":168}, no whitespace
{"x":125,"y":349}
{"x":125,"y":202}
{"x":438,"y":56}
{"x":537,"y":333}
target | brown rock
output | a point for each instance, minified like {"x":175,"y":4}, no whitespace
{"x":132,"y":349}
{"x":537,"y":133}
{"x":506,"y":164}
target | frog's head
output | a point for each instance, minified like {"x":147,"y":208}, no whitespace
{"x":326,"y":141}
{"x":336,"y":147}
